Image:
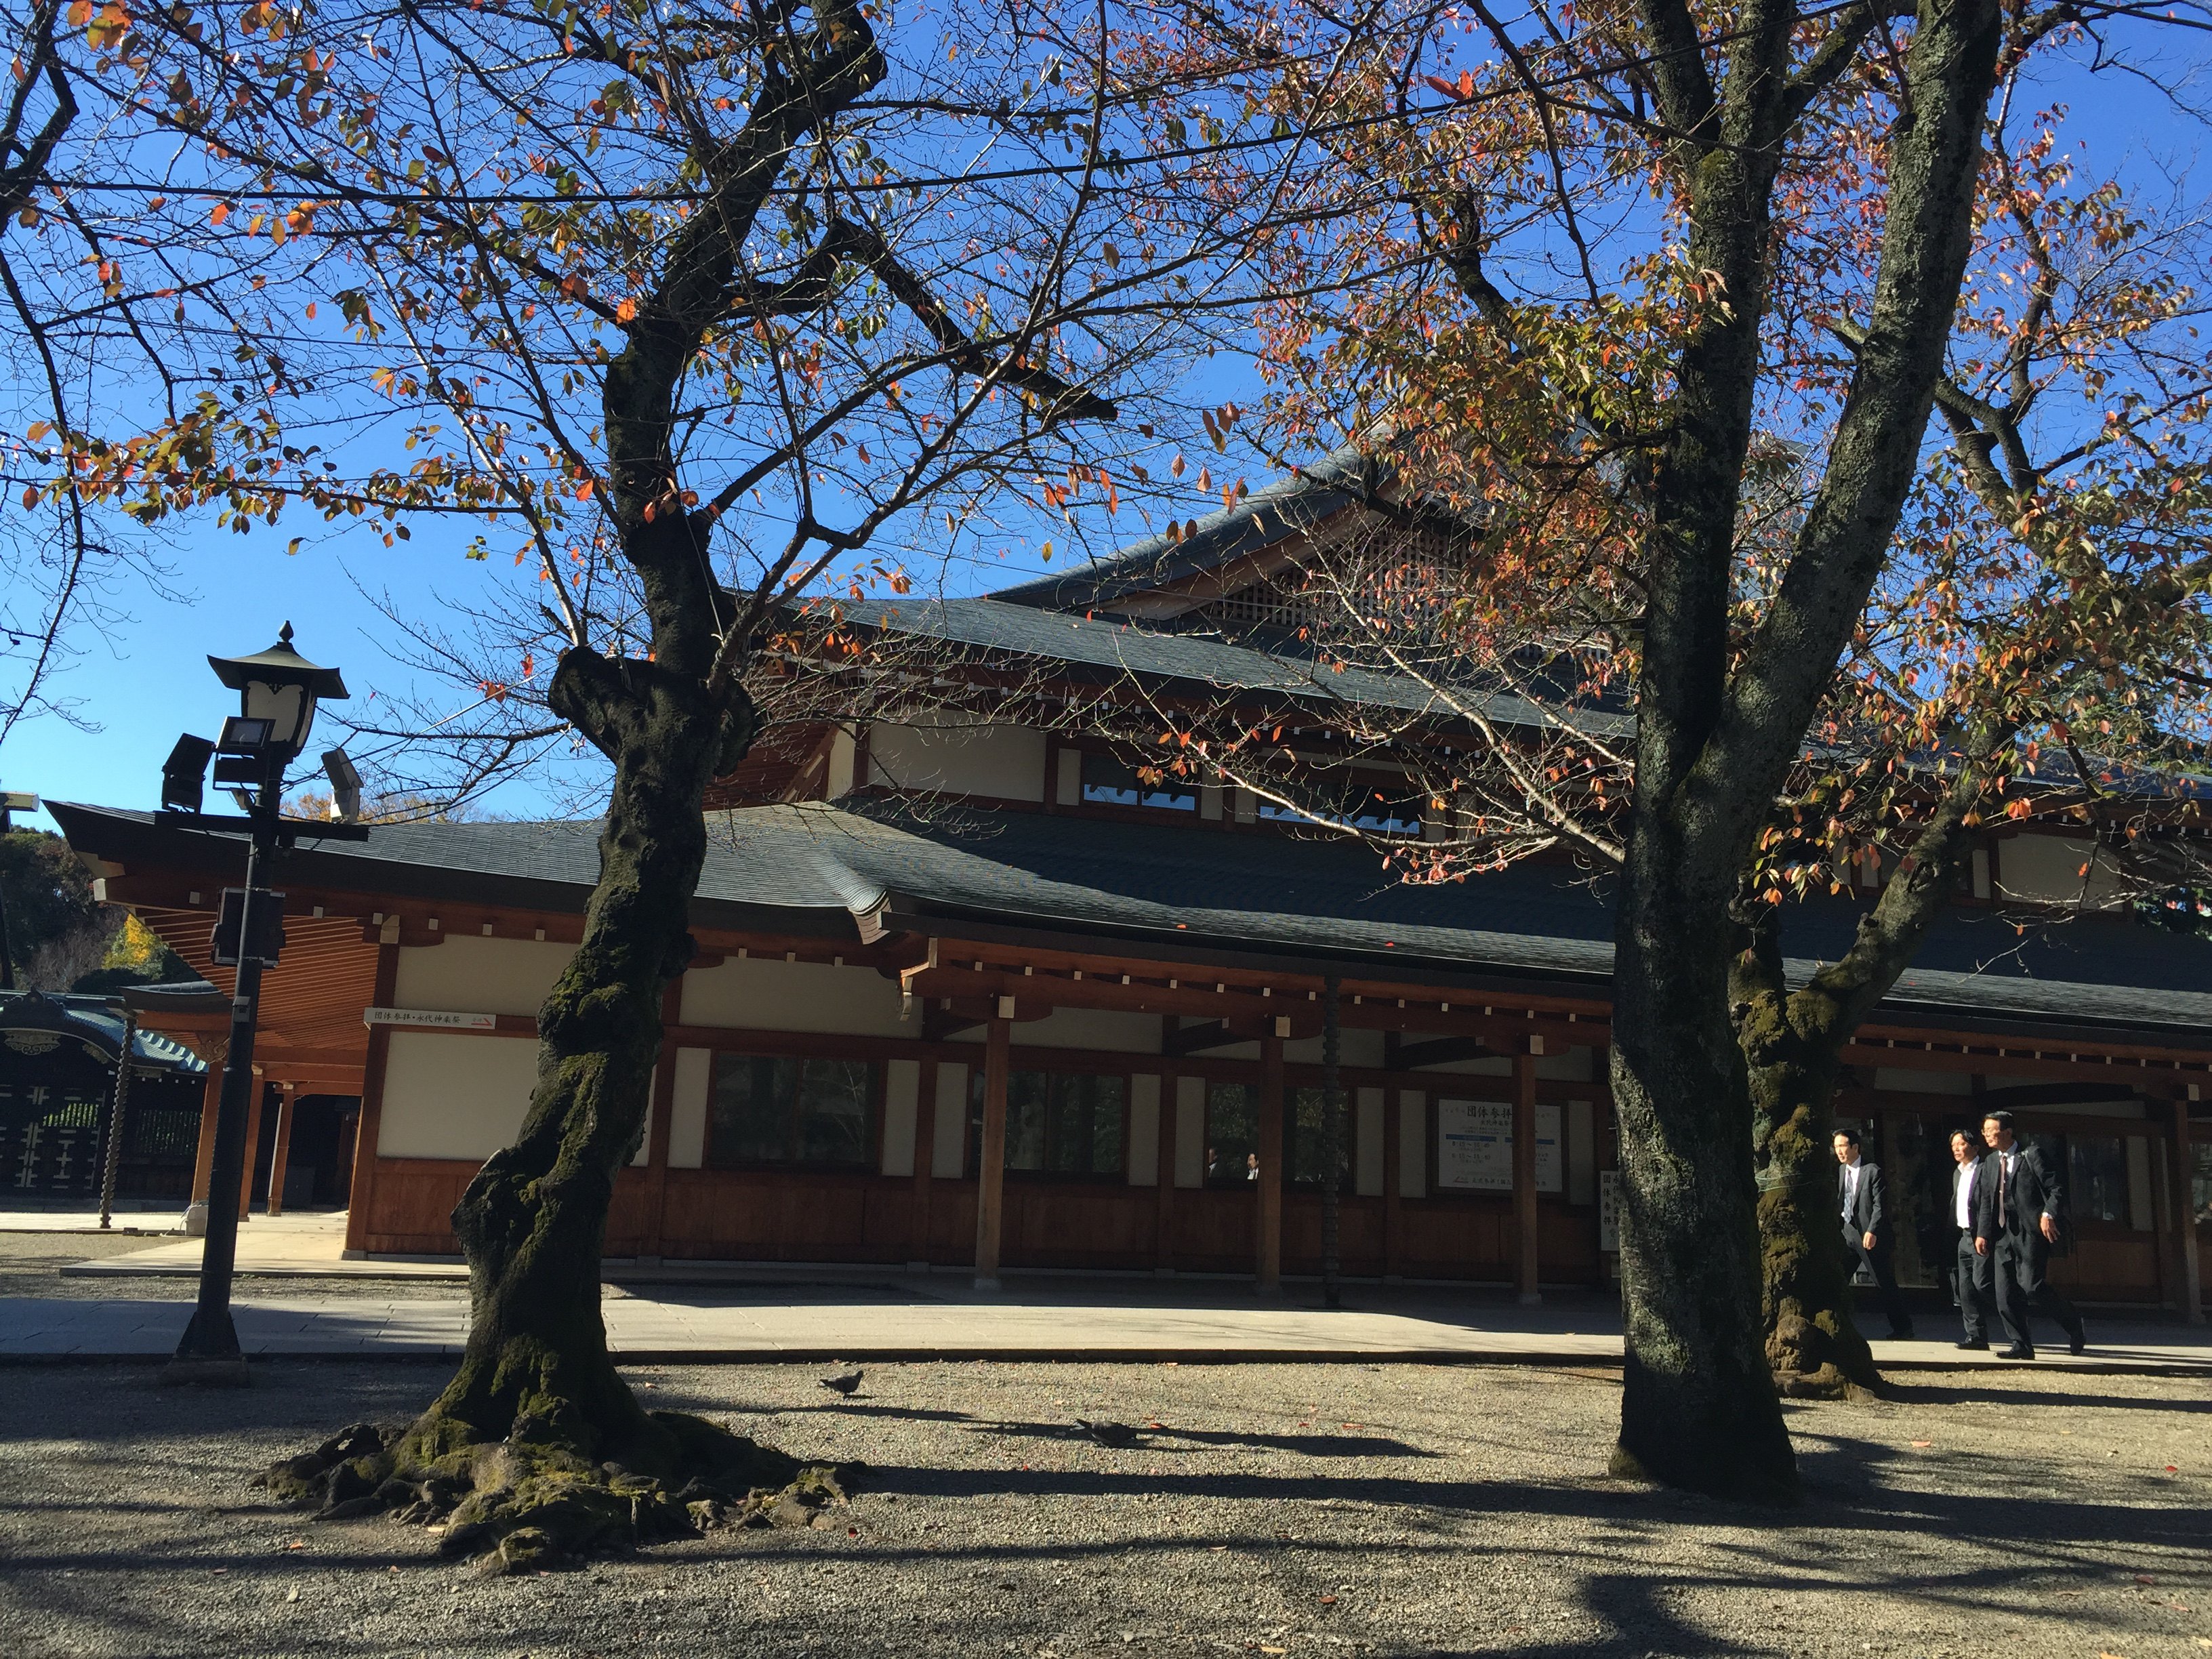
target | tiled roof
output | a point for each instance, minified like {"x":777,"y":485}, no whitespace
{"x":1282,"y":508}
{"x":92,"y":1020}
{"x":1104,"y":649}
{"x":812,"y":868}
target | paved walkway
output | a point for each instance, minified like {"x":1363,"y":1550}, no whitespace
{"x":735,"y":1311}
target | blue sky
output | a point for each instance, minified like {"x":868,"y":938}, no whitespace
{"x":147,"y":679}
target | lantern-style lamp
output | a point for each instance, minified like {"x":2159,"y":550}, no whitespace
{"x":278,"y":690}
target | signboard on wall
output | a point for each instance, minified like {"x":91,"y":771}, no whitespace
{"x":1475,"y":1146}
{"x":437,"y":1018}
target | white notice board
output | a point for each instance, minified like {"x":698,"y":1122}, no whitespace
{"x":1475,"y":1146}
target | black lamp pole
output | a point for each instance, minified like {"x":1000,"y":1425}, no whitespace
{"x":210,"y":1346}
{"x":279,"y":689}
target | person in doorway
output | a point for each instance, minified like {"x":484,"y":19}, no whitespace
{"x":2019,"y":1215}
{"x":1973,"y":1280}
{"x":1867,"y":1225}
{"x":1252,"y":1166}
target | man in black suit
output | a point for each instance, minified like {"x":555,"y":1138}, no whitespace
{"x":2020,"y":1212}
{"x":1864,"y":1213}
{"x":1973,"y":1274}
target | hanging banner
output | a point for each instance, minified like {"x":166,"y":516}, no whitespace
{"x":1475,"y":1146}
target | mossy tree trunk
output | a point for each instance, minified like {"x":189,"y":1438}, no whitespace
{"x":1721,"y":716}
{"x":1792,"y":1044}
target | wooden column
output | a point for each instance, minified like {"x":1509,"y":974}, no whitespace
{"x":1524,"y":1174}
{"x":204,"y":1160}
{"x":253,"y":1147}
{"x":2190,"y":1284}
{"x":1393,"y":1181}
{"x":925,"y":1165}
{"x":362,"y":1195}
{"x":1164,"y":1195}
{"x":288,"y":1103}
{"x":660,"y":1124}
{"x":1267,"y":1252}
{"x":991,"y":1160}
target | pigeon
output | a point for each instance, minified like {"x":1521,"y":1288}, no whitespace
{"x":1119,"y":1436}
{"x":848,"y":1385}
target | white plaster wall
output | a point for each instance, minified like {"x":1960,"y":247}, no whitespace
{"x":448,"y":1095}
{"x":472,"y":974}
{"x":2139,"y":1184}
{"x":901,"y":1098}
{"x":687,"y":1117}
{"x":1922,"y":1083}
{"x":1002,"y":763}
{"x":1145,"y":1129}
{"x":2048,"y":868}
{"x":948,"y":1151}
{"x":1190,"y":1131}
{"x":1091,"y":1028}
{"x":1367,"y":1142}
{"x":1412,"y":1144}
{"x":1582,"y":1152}
{"x":1572,"y":1066}
{"x":774,"y":995}
{"x":1068,"y":787}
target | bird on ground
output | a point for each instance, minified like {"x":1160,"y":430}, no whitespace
{"x":1119,"y":1436}
{"x":848,"y":1385}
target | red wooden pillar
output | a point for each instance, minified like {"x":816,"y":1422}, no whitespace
{"x":288,"y":1104}
{"x":1268,"y":1255}
{"x":1524,"y":1173}
{"x":1393,"y":1140}
{"x":203,"y":1159}
{"x":925,"y":1164}
{"x":991,"y":1161}
{"x":661,"y":1124}
{"x":1164,"y":1194}
{"x":2190,"y":1285}
{"x":361,"y":1197}
{"x":253,"y":1147}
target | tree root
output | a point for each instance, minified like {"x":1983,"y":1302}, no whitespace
{"x":535,"y":1501}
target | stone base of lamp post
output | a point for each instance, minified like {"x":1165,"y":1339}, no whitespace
{"x":196,"y":1217}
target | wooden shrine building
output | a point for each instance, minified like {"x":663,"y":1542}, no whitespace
{"x":1136,"y":970}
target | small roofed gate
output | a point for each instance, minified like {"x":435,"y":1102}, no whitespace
{"x":56,"y":1100}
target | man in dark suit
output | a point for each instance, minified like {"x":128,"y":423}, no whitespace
{"x":2019,"y":1212}
{"x":1863,"y":1211}
{"x":1973,"y":1274}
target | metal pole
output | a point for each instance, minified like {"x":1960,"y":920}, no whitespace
{"x":1331,"y":1139}
{"x":7,"y":954}
{"x":115,"y":1120}
{"x":210,"y":1352}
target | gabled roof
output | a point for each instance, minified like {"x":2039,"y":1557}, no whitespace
{"x":1284,"y":508}
{"x":1211,"y":896}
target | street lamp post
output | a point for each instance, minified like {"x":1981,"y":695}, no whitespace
{"x":278,"y":690}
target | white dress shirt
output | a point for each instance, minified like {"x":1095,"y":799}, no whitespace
{"x":1966,"y":1184}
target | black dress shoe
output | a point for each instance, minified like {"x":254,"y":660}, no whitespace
{"x":2079,"y":1341}
{"x":1900,"y":1334}
{"x":2018,"y":1351}
{"x":1980,"y":1342}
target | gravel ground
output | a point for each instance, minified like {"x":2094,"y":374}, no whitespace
{"x":31,"y":1264}
{"x":1286,"y":1509}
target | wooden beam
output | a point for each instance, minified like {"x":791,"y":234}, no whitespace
{"x":1268,"y":1255}
{"x":1524,"y":1179}
{"x":1393,"y":1196}
{"x":1164,"y":1160}
{"x":991,"y":1162}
